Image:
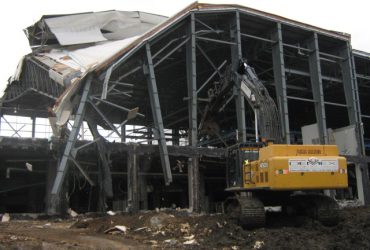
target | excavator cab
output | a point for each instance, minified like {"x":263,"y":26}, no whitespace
{"x":241,"y":155}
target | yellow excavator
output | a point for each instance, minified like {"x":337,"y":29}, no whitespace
{"x":263,"y":174}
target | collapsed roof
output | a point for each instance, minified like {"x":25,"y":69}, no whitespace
{"x":67,"y":47}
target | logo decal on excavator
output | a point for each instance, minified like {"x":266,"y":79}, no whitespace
{"x":313,"y":164}
{"x":313,"y":161}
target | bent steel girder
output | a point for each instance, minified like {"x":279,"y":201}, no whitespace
{"x":157,"y":116}
{"x":63,"y":165}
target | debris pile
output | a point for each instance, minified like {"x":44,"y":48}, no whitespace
{"x":172,"y":229}
{"x":179,"y":229}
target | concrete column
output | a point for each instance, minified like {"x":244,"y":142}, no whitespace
{"x":144,"y":167}
{"x":132,"y":180}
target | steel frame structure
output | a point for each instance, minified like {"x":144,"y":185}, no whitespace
{"x":274,"y":44}
{"x":314,"y":73}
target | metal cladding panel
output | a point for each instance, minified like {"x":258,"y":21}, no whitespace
{"x":310,"y":134}
{"x":76,"y":29}
{"x":101,"y":26}
{"x":346,"y":140}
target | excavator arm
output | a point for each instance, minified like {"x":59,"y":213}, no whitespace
{"x":244,"y":78}
{"x":258,"y":98}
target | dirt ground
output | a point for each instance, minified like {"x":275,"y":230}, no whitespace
{"x":171,"y":229}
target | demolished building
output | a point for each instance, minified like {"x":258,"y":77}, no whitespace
{"x":146,"y":80}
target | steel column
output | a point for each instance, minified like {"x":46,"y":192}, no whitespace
{"x":157,"y":117}
{"x":354,"y":113}
{"x":357,"y":97}
{"x":317,"y":88}
{"x":63,"y":166}
{"x":123,"y":133}
{"x":351,"y":93}
{"x":33,"y":126}
{"x":236,"y":56}
{"x":193,"y":163}
{"x":280,"y":81}
{"x":349,"y":85}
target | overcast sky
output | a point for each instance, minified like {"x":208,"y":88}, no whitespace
{"x":352,"y":17}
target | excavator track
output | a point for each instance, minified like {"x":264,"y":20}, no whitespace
{"x":249,"y":211}
{"x":317,"y":206}
{"x":326,"y":210}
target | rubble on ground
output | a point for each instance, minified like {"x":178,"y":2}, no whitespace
{"x":179,"y":229}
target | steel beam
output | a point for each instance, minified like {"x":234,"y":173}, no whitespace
{"x":280,"y":81}
{"x":166,"y":46}
{"x":10,"y":125}
{"x":171,"y":52}
{"x":105,"y":119}
{"x":236,"y":56}
{"x":211,"y":76}
{"x":83,"y":172}
{"x":206,"y":25}
{"x":193,"y":162}
{"x":317,"y":88}
{"x":215,"y":40}
{"x":208,"y":59}
{"x":305,"y":73}
{"x":157,"y":116}
{"x":363,"y":77}
{"x":336,"y":104}
{"x":116,"y":106}
{"x":332,"y":56}
{"x":257,"y":38}
{"x":63,"y":165}
{"x":300,"y":99}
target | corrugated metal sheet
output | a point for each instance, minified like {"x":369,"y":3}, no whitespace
{"x":100,"y":26}
{"x":76,"y":29}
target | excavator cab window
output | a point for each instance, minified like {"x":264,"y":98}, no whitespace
{"x":248,"y":151}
